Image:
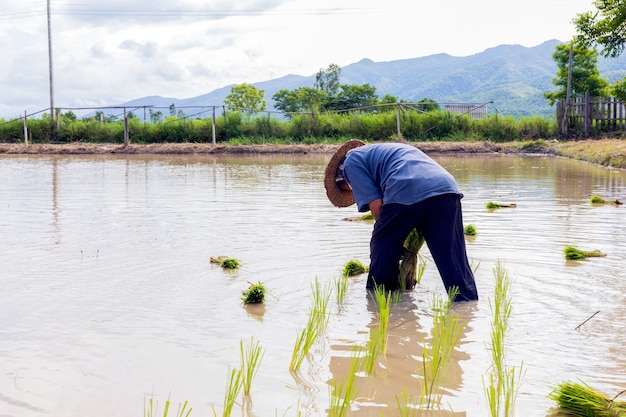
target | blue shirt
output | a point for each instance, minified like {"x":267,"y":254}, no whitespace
{"x":397,"y":173}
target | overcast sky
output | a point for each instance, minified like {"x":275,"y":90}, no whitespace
{"x":109,"y":52}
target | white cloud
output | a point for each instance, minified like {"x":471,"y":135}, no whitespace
{"x":115,"y":51}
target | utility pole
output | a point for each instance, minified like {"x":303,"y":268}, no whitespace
{"x":50,"y":66}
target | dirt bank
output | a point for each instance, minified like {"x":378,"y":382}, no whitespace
{"x":607,"y":152}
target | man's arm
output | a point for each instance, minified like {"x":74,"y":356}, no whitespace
{"x":375,"y":207}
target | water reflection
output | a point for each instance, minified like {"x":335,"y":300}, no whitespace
{"x":108,"y":291}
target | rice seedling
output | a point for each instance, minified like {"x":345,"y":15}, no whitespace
{"x":408,"y":265}
{"x":572,"y":252}
{"x":255,"y":294}
{"x":150,"y":409}
{"x":251,"y":356}
{"x":446,"y":332}
{"x":341,"y":290}
{"x":502,"y":383}
{"x":406,"y":404}
{"x":354,"y":267}
{"x":421,"y":268}
{"x":580,"y":400}
{"x":493,"y":205}
{"x":316,"y":324}
{"x":235,"y":382}
{"x":383,"y":302}
{"x":469,"y":230}
{"x":474,"y":267}
{"x":377,"y":341}
{"x":342,"y":395}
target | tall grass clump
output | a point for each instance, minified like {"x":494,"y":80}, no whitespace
{"x":316,"y":324}
{"x":436,"y":358}
{"x":502,"y":383}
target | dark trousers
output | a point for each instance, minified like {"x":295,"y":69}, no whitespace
{"x":440,"y":220}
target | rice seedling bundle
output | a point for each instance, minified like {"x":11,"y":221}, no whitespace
{"x":469,"y":230}
{"x":572,"y":252}
{"x":354,"y":267}
{"x":408,"y":265}
{"x":493,"y":205}
{"x":596,"y":199}
{"x":226,"y":262}
{"x":580,"y":400}
{"x":254,"y":295}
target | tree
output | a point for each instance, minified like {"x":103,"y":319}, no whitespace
{"x":605,"y":27}
{"x":428,"y":105}
{"x":328,"y":80}
{"x":300,"y":100}
{"x":245,"y":97}
{"x":585,"y":73}
{"x":354,"y":96}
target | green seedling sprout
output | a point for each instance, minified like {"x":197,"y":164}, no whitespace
{"x":151,"y":407}
{"x":502,"y":383}
{"x":251,"y":356}
{"x":316,"y":324}
{"x":446,"y":332}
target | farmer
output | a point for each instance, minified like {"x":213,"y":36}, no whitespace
{"x":404,"y":189}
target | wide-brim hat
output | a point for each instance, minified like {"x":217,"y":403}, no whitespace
{"x":337,"y":196}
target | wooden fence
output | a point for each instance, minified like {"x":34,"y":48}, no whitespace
{"x":591,"y":116}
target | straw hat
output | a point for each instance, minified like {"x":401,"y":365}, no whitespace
{"x":339,"y":198}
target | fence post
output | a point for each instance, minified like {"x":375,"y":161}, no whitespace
{"x":126,"y":135}
{"x":213,"y":126}
{"x":587,"y":114}
{"x":25,"y":129}
{"x":398,"y":120}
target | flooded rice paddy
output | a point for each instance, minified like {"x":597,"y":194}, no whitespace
{"x":108,"y":296}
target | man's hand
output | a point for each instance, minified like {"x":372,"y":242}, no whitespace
{"x":375,"y":207}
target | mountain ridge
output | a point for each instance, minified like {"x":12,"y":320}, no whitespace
{"x":513,"y":77}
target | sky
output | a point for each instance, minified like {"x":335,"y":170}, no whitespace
{"x":108,"y":52}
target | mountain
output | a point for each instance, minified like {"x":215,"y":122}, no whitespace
{"x":513,"y":77}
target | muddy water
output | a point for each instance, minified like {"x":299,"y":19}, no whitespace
{"x":108,"y":295}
